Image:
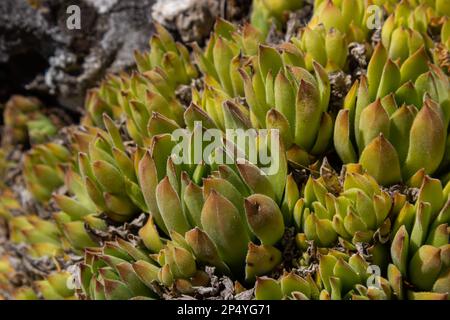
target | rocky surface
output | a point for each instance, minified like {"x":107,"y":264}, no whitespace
{"x":40,"y":55}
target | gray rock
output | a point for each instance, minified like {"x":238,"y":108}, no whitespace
{"x":40,"y":54}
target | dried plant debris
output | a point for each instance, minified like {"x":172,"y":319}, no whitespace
{"x":358,"y":59}
{"x":127,"y":231}
{"x":340,"y":85}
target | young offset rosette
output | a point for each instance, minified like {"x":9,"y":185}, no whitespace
{"x":395,"y":120}
{"x":357,"y":213}
{"x":339,"y":276}
{"x":420,"y":245}
{"x":43,"y":169}
{"x":168,"y":55}
{"x":347,"y":17}
{"x":25,"y":123}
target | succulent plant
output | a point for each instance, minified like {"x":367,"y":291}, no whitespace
{"x":168,"y":55}
{"x":347,"y":17}
{"x":25,"y":123}
{"x":420,"y":246}
{"x":282,"y":96}
{"x":6,"y":270}
{"x":43,"y":169}
{"x":139,"y":96}
{"x":356,"y":213}
{"x":268,"y":12}
{"x":418,"y":255}
{"x":346,"y":277}
{"x":104,"y":179}
{"x":8,"y":203}
{"x":326,"y":47}
{"x":227,"y":50}
{"x":56,"y":286}
{"x":5,"y":165}
{"x":295,"y":103}
{"x":102,"y":185}
{"x":339,"y":276}
{"x":118,"y":271}
{"x":394,"y":118}
{"x":429,"y":8}
{"x":333,"y":27}
{"x":135,"y":97}
{"x":441,"y":54}
{"x":215,"y":207}
{"x":289,"y":285}
{"x":41,"y":237}
{"x":405,"y":30}
{"x":121,"y":270}
{"x":104,"y":100}
{"x":445,"y":32}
